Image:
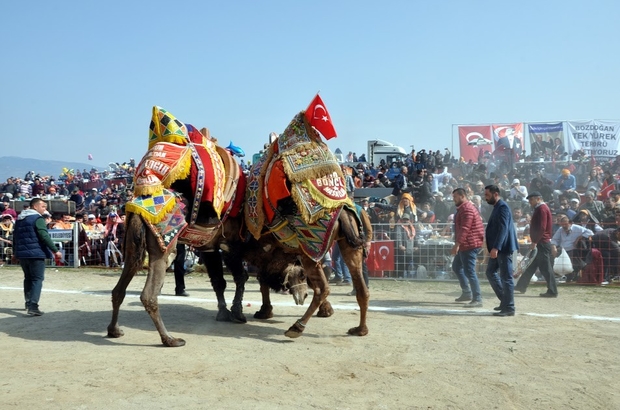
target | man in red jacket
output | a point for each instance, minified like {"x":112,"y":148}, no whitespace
{"x":469,"y":234}
{"x":541,"y":231}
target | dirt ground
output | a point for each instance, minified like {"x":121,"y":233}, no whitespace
{"x":423,"y":350}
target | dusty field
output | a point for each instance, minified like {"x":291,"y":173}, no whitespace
{"x":423,"y":351}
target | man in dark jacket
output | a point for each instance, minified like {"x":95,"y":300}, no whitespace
{"x":501,"y":238}
{"x":32,"y":245}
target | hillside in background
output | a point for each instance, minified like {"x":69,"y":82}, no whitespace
{"x":18,"y":167}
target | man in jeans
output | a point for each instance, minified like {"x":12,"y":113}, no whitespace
{"x":469,"y":235}
{"x":32,"y":245}
{"x":541,"y":231}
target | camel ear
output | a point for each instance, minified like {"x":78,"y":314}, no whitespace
{"x":205,"y":132}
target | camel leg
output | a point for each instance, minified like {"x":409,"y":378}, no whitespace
{"x":316,"y":277}
{"x":213,"y":263}
{"x":325,"y":309}
{"x":118,"y":296}
{"x":234,"y":262}
{"x":152,"y":287}
{"x":266,"y":310}
{"x":354,"y":259}
{"x":135,"y":252}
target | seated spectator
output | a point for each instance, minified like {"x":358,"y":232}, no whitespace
{"x":518,"y":192}
{"x":570,"y":238}
{"x":38,"y":189}
{"x":404,"y":246}
{"x":606,"y":241}
{"x":585,"y":219}
{"x":6,"y":202}
{"x":96,"y":235}
{"x":442,"y":208}
{"x":114,"y":234}
{"x":592,"y":205}
{"x":608,"y":215}
{"x":565,"y":184}
{"x":6,"y":238}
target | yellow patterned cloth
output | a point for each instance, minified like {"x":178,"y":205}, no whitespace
{"x":165,"y":127}
{"x":153,"y":208}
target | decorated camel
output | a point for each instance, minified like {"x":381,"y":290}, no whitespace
{"x":296,"y":194}
{"x":183,"y":165}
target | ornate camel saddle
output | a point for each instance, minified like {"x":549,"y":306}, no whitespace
{"x":177,"y":151}
{"x":297,"y":168}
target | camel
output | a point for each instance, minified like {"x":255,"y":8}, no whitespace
{"x":190,"y":164}
{"x":139,"y":240}
{"x":296,"y":193}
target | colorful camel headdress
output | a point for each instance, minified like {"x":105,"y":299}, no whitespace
{"x":299,"y":156}
{"x":177,"y":151}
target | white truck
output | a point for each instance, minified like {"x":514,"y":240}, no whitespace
{"x":382,"y":150}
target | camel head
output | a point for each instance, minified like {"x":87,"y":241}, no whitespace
{"x":295,"y":282}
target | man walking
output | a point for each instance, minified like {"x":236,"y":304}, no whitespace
{"x":469,"y":235}
{"x":32,"y":245}
{"x":541,"y":231}
{"x":501,"y":238}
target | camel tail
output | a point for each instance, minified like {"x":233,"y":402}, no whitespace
{"x":350,"y":228}
{"x":134,"y":249}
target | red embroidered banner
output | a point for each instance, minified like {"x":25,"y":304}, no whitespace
{"x":473,"y":140}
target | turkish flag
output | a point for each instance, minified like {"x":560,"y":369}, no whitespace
{"x":380,"y":257}
{"x":318,"y":117}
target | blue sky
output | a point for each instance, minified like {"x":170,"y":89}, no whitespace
{"x":80,"y":77}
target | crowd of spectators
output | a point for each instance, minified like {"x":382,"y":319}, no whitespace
{"x":585,"y":190}
{"x":99,"y":198}
{"x":419,"y":206}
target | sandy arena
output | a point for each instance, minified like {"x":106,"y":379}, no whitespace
{"x":423,"y":350}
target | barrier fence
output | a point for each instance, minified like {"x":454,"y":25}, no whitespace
{"x":395,"y":253}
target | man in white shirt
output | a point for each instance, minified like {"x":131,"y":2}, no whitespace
{"x":518,"y":192}
{"x":568,"y":238}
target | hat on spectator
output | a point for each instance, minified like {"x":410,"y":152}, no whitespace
{"x":91,"y":216}
{"x":589,"y":194}
{"x":515,"y":181}
{"x":7,"y":216}
{"x":533,"y":194}
{"x":575,"y":200}
{"x":566,"y":172}
{"x":94,"y":189}
{"x":405,"y":216}
{"x":8,"y":195}
{"x":112,"y":214}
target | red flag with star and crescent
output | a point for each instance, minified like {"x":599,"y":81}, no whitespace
{"x":319,"y":118}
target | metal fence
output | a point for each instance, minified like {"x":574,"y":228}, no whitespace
{"x":428,"y":255}
{"x":78,"y":248}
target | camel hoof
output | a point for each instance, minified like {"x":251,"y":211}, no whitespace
{"x":173,"y":342}
{"x":358,"y":331}
{"x":295,"y":331}
{"x":325,"y":310}
{"x":264,"y":313}
{"x":238,"y":318}
{"x":237,"y":315}
{"x":224,"y":315}
{"x":115,"y":332}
